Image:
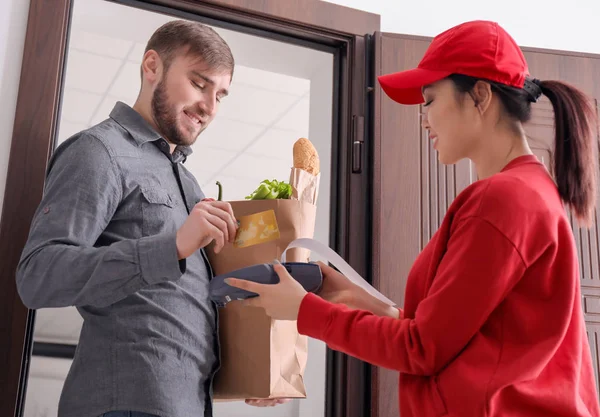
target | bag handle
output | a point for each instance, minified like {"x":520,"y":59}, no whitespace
{"x":333,"y":258}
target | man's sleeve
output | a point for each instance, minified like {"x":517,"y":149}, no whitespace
{"x":60,"y":265}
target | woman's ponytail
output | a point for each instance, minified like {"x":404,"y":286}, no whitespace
{"x":575,"y":161}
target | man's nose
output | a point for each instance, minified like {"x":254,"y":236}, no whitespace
{"x":208,"y":105}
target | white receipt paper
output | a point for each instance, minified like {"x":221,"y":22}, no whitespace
{"x":333,"y":258}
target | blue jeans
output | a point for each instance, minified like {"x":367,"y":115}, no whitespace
{"x":127,"y":414}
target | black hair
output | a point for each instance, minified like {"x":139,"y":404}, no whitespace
{"x":576,"y":135}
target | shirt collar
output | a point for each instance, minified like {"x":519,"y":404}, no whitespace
{"x":520,"y":160}
{"x":141,"y":131}
{"x":181,"y":153}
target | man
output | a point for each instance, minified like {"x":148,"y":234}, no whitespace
{"x":120,"y":234}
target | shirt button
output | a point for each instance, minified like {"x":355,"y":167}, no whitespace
{"x":163,"y":144}
{"x":46,"y":210}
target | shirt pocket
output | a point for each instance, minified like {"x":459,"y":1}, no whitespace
{"x":158,"y":214}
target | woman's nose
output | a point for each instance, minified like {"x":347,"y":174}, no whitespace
{"x":425,"y":122}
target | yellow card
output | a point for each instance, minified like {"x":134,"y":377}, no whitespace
{"x":256,"y":228}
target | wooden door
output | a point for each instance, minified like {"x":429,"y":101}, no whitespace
{"x":582,"y":71}
{"x":400,"y":175}
{"x":412,"y":191}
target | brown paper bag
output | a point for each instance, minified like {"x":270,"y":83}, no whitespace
{"x":260,"y":357}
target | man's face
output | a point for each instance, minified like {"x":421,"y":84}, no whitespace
{"x":187,"y":98}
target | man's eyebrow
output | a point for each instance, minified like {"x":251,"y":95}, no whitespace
{"x":208,"y":80}
{"x":204,"y":77}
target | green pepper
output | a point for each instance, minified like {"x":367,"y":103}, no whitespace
{"x":220,"y":191}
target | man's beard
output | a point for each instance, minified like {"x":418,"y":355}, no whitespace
{"x":166,"y":118}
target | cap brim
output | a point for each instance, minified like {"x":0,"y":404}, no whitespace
{"x":406,"y":87}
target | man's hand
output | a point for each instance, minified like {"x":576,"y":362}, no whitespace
{"x":209,"y":220}
{"x":267,"y":403}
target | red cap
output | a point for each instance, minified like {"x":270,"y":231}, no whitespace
{"x":478,"y":49}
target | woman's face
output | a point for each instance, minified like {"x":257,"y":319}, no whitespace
{"x":452,"y":120}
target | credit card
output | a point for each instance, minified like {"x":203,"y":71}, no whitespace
{"x":256,"y":228}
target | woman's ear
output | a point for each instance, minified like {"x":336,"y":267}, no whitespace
{"x":482,"y":95}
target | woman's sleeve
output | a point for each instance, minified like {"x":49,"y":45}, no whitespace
{"x":480,"y":267}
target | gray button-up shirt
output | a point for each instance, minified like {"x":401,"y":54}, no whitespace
{"x":103,"y":240}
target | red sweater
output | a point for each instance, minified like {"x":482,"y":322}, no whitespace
{"x":493,"y":323}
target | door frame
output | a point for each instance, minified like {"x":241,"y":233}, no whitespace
{"x":35,"y":131}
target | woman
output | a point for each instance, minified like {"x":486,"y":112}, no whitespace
{"x":492,"y":324}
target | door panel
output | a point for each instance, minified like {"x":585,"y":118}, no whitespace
{"x":412,"y":191}
{"x":402,"y":171}
{"x":592,"y":309}
{"x":400,"y":174}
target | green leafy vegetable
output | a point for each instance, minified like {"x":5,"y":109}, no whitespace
{"x":271,"y":190}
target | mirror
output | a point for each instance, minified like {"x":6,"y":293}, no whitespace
{"x":280,"y":92}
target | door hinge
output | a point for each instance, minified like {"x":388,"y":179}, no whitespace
{"x":358,"y":130}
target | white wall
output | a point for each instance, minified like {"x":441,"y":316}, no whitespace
{"x":13,"y":22}
{"x":569,"y":24}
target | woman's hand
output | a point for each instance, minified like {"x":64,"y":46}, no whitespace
{"x":339,"y":289}
{"x":281,"y":301}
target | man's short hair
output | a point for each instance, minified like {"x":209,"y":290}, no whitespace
{"x":193,"y":39}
